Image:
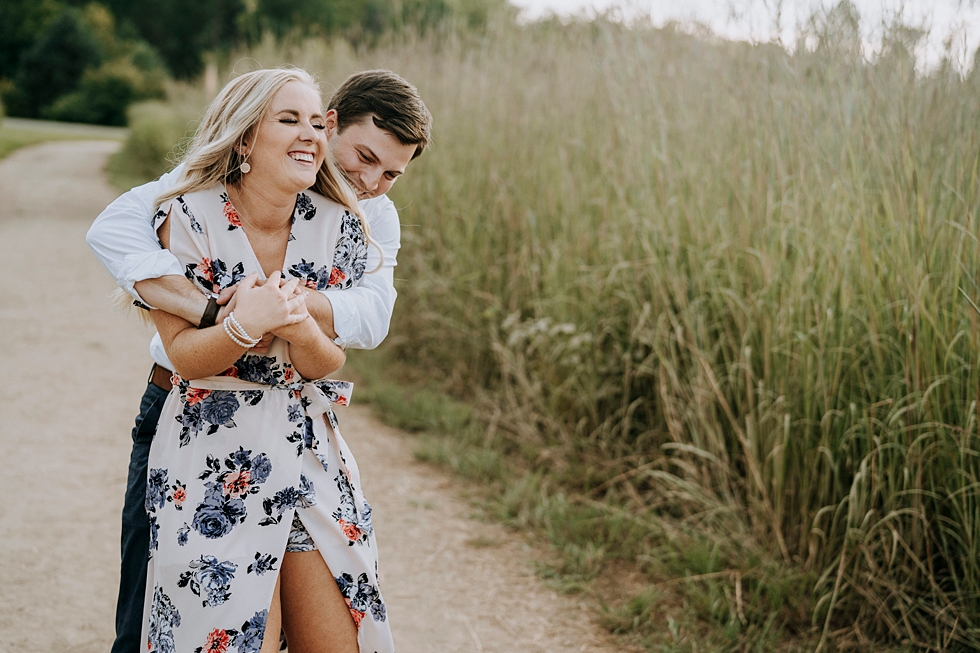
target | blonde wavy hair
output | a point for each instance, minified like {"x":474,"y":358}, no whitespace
{"x":233,"y":117}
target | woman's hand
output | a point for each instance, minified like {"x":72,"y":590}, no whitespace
{"x":292,"y":333}
{"x":269,"y":307}
{"x":301,"y":332}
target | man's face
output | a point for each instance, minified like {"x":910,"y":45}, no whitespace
{"x":371,"y":157}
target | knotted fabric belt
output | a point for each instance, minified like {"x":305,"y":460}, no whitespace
{"x":321,"y":394}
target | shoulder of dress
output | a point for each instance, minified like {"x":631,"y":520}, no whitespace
{"x":206,"y":200}
{"x":200,"y":207}
{"x":206,"y":194}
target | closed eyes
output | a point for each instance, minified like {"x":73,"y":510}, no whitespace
{"x":293,"y":121}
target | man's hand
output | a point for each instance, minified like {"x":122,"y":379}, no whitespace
{"x":322,"y":312}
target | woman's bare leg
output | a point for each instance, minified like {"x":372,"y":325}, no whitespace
{"x":273,"y":624}
{"x":315,"y":615}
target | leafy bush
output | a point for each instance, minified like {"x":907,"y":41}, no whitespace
{"x":104,"y":95}
{"x":156,"y":130}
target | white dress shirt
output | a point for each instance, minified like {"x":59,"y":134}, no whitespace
{"x":125,"y":243}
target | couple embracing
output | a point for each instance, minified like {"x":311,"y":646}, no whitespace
{"x":261,"y":258}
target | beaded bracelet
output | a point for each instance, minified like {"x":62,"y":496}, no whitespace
{"x":234,"y":338}
{"x":237,"y":333}
{"x":240,"y":330}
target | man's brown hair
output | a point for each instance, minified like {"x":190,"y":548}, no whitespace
{"x":393,"y":104}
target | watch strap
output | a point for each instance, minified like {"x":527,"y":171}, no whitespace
{"x":210,"y":313}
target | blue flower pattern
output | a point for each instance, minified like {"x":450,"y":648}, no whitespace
{"x":362,"y":597}
{"x":286,"y":499}
{"x":209,"y":579}
{"x":163,"y":618}
{"x":206,"y":410}
{"x":356,"y":525}
{"x":264,"y":562}
{"x":259,"y":369}
{"x":224,"y":506}
{"x":350,"y":255}
{"x":348,"y":264}
{"x":249,"y":638}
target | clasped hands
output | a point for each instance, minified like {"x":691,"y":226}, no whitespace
{"x":274,"y":307}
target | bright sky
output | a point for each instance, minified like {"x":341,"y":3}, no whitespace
{"x":752,"y":19}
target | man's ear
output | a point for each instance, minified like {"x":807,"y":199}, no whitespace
{"x":330,"y":121}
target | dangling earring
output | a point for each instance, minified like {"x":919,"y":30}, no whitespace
{"x":245,"y":167}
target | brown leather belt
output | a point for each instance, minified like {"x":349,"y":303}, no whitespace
{"x":160,"y":377}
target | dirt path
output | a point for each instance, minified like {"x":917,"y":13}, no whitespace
{"x":73,"y":373}
{"x":73,"y":128}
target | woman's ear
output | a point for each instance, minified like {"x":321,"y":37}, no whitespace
{"x":244,"y":143}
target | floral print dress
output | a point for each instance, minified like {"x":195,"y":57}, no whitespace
{"x":242,"y":458}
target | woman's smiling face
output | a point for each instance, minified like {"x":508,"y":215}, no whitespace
{"x":289,"y":144}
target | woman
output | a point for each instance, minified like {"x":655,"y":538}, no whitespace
{"x":257,"y":517}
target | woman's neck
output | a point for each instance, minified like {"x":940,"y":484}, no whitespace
{"x":264,"y":209}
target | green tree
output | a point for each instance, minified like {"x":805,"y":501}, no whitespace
{"x":53,"y":66}
{"x":21,"y":21}
{"x":357,"y":19}
{"x":306,"y":17}
{"x":183,"y":30}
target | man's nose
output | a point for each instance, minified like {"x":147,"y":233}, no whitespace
{"x":370,"y":179}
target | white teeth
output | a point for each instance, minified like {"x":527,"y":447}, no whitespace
{"x":301,"y":156}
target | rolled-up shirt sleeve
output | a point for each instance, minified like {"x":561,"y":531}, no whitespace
{"x":362,"y":314}
{"x":123,"y":239}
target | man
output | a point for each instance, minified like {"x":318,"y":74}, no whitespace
{"x":376,"y":124}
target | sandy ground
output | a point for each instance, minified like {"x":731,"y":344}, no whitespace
{"x":73,"y":372}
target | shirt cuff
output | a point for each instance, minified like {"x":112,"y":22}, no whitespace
{"x":137,"y":267}
{"x":344,"y":318}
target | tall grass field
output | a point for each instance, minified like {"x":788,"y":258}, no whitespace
{"x":715,"y":307}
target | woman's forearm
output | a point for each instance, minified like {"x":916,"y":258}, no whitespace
{"x":312,"y":354}
{"x":196,"y":353}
